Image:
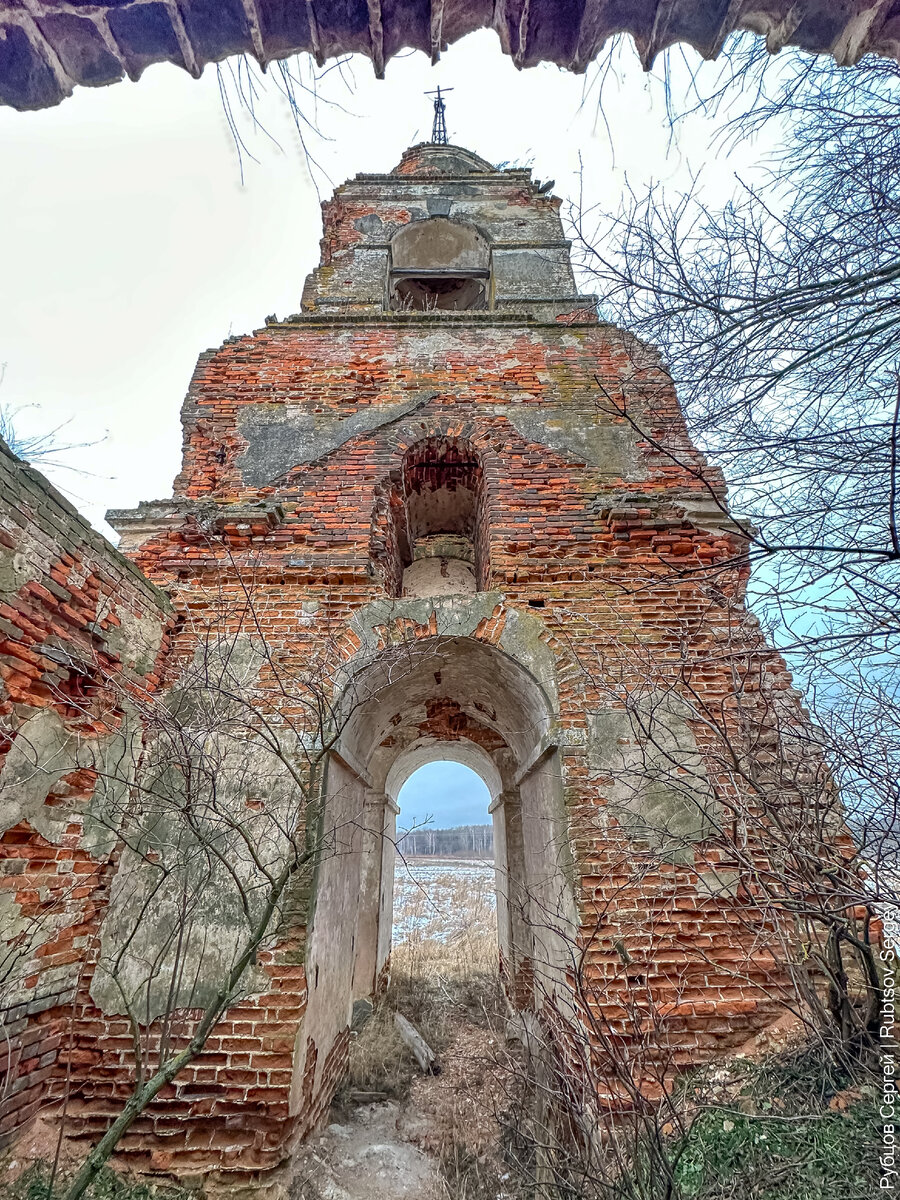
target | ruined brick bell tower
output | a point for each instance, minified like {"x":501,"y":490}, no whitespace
{"x":444,"y":450}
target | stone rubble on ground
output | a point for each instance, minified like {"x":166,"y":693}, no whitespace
{"x":367,"y":1158}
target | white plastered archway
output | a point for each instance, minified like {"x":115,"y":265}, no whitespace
{"x":504,"y":731}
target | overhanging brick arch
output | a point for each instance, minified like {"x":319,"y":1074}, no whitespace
{"x":49,"y":47}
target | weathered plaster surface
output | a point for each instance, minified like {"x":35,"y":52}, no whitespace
{"x":581,"y":435}
{"x":438,"y":577}
{"x":459,"y":617}
{"x":281,"y":437}
{"x":43,"y":751}
{"x":191,"y":881}
{"x":136,"y":640}
{"x":656,"y":782}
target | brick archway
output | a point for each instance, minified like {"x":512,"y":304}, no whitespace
{"x":418,"y":699}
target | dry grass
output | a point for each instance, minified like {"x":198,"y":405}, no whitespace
{"x":443,"y":971}
{"x":444,"y":961}
{"x":443,"y":899}
{"x":380,"y":1067}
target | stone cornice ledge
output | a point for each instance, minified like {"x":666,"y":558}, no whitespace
{"x":418,"y":319}
{"x":153,"y":517}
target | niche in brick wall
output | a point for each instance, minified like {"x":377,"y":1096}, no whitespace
{"x":439,"y":265}
{"x":437,"y":537}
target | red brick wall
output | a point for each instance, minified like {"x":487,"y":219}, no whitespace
{"x":316,"y":362}
{"x":592,"y":535}
{"x":632,"y":593}
{"x":228,"y":1109}
{"x":80,"y":630}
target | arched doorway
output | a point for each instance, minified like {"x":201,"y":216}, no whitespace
{"x":444,"y":921}
{"x":438,"y":696}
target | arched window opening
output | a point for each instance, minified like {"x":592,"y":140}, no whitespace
{"x":440,"y":292}
{"x":444,"y":882}
{"x":439,"y":265}
{"x":440,"y":535}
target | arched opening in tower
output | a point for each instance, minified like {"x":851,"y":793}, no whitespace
{"x":444,"y":903}
{"x":434,"y":534}
{"x":414,"y":703}
{"x":439,"y":264}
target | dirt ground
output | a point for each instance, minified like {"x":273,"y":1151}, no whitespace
{"x":369,"y":1156}
{"x":417,"y":1146}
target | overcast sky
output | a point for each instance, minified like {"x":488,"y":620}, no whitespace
{"x":443,"y":794}
{"x":134,"y":237}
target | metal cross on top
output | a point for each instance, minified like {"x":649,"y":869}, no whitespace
{"x":439,"y":128}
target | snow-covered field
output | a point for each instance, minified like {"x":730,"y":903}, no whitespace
{"x":443,"y":899}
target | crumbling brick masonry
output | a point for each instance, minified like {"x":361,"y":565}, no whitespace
{"x":451,"y":494}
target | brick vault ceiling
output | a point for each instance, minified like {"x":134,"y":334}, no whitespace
{"x":48,"y":47}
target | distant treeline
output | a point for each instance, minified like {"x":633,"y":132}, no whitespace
{"x":464,"y":841}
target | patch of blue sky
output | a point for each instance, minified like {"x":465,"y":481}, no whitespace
{"x":442,"y":795}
